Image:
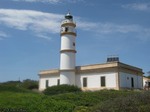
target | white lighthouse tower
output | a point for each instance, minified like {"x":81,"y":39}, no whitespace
{"x":68,"y":50}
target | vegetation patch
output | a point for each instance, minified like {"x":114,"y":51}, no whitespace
{"x":14,"y":97}
{"x":9,"y":88}
{"x":60,"y":89}
{"x":33,"y":103}
{"x":18,"y":86}
{"x":139,"y":102}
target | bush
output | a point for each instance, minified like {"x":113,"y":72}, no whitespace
{"x":61,"y":89}
{"x":107,"y":100}
{"x":30,"y":84}
{"x":81,"y":109}
{"x":138,"y":102}
{"x":15,"y":102}
{"x":11,"y":83}
{"x":11,"y":88}
{"x":26,"y":84}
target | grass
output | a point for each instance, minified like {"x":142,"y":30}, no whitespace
{"x":32,"y":102}
{"x":20,"y":98}
{"x":98,"y":101}
{"x":139,"y":102}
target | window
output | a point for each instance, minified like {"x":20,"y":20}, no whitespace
{"x":66,"y":29}
{"x":132,"y":82}
{"x":85,"y":82}
{"x":103,"y":83}
{"x":148,"y":84}
{"x":74,"y":44}
{"x":58,"y":81}
{"x":46,"y":83}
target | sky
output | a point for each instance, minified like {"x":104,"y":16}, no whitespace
{"x":30,"y":34}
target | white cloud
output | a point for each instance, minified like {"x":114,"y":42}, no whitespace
{"x":28,"y":19}
{"x":106,"y":29}
{"x":36,"y":21}
{"x":43,"y":24}
{"x":3,"y":35}
{"x":117,"y":28}
{"x":136,"y":31}
{"x":49,"y":1}
{"x":43,"y":36}
{"x":138,"y":6}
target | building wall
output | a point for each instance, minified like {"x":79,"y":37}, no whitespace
{"x":125,"y":81}
{"x":94,"y":82}
{"x":52,"y":80}
{"x":67,"y":77}
{"x":67,"y":42}
{"x":67,"y":60}
{"x":146,"y":81}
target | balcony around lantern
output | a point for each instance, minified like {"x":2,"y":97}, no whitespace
{"x":67,"y":22}
{"x":68,"y":31}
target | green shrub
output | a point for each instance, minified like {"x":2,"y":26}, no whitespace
{"x":29,"y":84}
{"x":81,"y":109}
{"x":11,"y":83}
{"x":61,"y":89}
{"x":12,"y":88}
{"x":89,"y":99}
{"x":107,"y":100}
{"x":139,"y":102}
{"x":32,"y":103}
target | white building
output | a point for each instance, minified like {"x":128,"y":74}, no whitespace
{"x":110,"y":75}
{"x":146,"y":83}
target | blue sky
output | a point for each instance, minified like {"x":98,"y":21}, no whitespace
{"x":30,"y":39}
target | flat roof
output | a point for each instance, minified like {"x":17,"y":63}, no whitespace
{"x":93,"y":67}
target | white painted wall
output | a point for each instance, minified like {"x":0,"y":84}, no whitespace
{"x":67,"y":77}
{"x":93,"y":80}
{"x":52,"y":81}
{"x":67,"y":60}
{"x":140,"y":82}
{"x":67,"y":42}
{"x":67,"y":21}
{"x":125,"y":80}
{"x":145,"y":80}
{"x":70,"y":29}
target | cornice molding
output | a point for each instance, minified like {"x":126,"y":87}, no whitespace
{"x":68,"y":24}
{"x":68,"y":33}
{"x":68,"y":50}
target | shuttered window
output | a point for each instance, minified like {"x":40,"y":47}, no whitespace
{"x":85,"y":82}
{"x":58,"y":81}
{"x":46,"y":83}
{"x":132,"y":82}
{"x":103,"y":82}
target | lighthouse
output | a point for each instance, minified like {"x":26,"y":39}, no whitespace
{"x":68,"y":50}
{"x":88,"y":77}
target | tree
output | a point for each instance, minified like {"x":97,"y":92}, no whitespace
{"x":148,"y":74}
{"x":30,"y":84}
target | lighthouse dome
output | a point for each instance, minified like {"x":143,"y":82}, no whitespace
{"x":68,"y":16}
